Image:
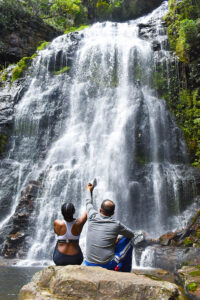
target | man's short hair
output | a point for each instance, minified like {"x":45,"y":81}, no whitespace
{"x":108,"y":207}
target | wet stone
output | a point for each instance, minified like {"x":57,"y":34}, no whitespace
{"x":166,"y":238}
{"x":16,"y":241}
{"x":33,"y":190}
{"x":156,"y":46}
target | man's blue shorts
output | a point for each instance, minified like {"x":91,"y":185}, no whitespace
{"x":123,"y":257}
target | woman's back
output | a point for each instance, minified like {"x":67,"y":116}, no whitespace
{"x":68,"y":232}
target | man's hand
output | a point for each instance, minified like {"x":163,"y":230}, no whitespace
{"x":90,"y":187}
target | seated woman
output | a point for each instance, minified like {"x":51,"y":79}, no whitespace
{"x":67,"y":250}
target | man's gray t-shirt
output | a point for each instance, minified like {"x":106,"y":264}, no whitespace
{"x":101,"y":235}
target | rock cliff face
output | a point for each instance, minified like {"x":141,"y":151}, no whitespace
{"x":183,"y":28}
{"x":80,"y":282}
{"x":17,"y":239}
{"x":20,"y":41}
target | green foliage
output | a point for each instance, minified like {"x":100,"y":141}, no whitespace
{"x":19,"y":70}
{"x":108,"y":9}
{"x":182,"y":21}
{"x":11,"y":14}
{"x":37,"y":7}
{"x":187,"y":39}
{"x":43,"y":46}
{"x":4,"y":75}
{"x":63,"y":70}
{"x":188,"y":242}
{"x":66,"y":7}
{"x":102,"y":9}
{"x":195,"y":273}
{"x":72,"y":29}
{"x":61,"y":14}
{"x":183,"y":97}
{"x":185,"y":263}
{"x":65,"y":12}
{"x":192,"y":286}
{"x":57,"y":13}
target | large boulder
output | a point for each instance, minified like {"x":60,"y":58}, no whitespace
{"x":80,"y":282}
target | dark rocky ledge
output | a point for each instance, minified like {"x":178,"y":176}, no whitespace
{"x":17,"y":241}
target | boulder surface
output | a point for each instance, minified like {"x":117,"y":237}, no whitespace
{"x":80,"y":282}
{"x":189,"y":278}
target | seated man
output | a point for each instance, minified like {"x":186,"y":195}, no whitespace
{"x":102,"y":234}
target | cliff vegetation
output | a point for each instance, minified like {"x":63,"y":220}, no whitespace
{"x":183,"y":28}
{"x":26,"y":23}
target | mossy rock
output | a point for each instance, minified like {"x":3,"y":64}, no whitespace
{"x":195,"y":273}
{"x":73,"y":29}
{"x":153,"y":277}
{"x":192,"y":286}
{"x":188,"y":242}
{"x":183,"y":96}
{"x":61,"y":71}
{"x":43,"y":46}
{"x":21,"y":67}
{"x":4,"y":76}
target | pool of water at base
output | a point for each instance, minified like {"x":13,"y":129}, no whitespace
{"x":12,"y":279}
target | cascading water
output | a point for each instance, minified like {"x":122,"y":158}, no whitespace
{"x":97,"y":119}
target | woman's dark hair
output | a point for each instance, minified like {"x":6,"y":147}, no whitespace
{"x":68,"y":211}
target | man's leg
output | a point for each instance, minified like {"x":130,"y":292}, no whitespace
{"x":123,"y":254}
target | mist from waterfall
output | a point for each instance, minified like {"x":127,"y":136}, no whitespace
{"x":100,"y":119}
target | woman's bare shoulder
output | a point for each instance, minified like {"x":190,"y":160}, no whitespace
{"x":59,"y":222}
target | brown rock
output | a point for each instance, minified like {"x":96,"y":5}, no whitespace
{"x":166,"y":238}
{"x":80,"y":282}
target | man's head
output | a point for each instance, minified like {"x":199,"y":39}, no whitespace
{"x":107,"y":208}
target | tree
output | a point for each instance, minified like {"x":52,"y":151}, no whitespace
{"x":65,"y":12}
{"x":37,"y":7}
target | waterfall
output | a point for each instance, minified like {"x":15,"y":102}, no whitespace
{"x":147,"y":258}
{"x":99,"y":118}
